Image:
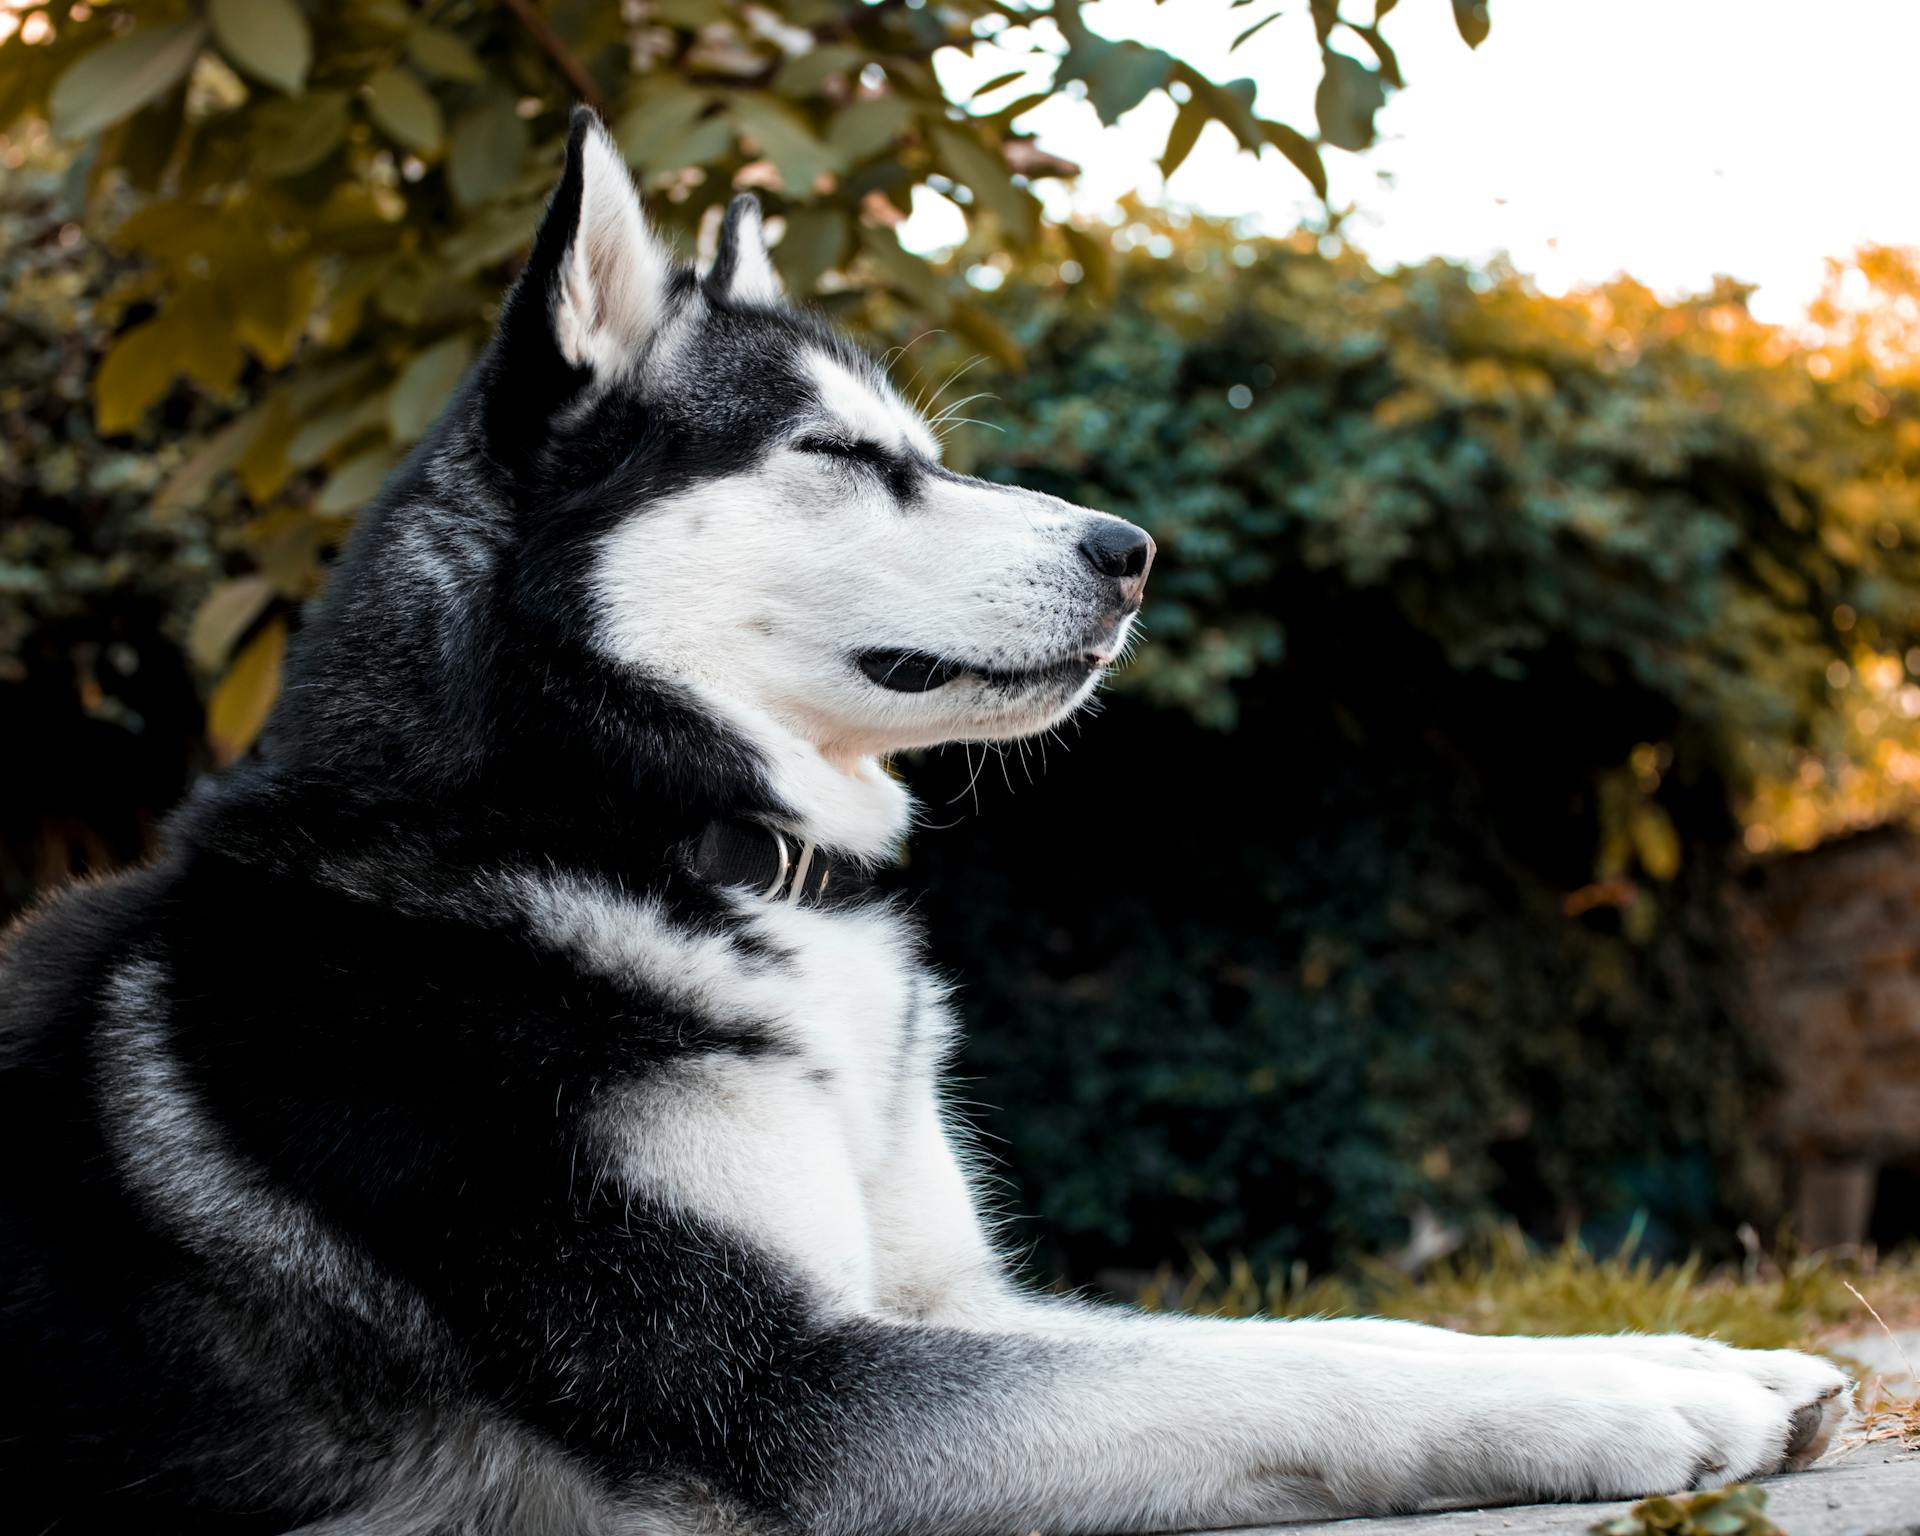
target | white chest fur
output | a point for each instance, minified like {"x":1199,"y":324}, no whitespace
{"x":793,"y":1129}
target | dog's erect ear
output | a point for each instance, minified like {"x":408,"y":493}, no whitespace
{"x":597,"y":280}
{"x":742,"y":271}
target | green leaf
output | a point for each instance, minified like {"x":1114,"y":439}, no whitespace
{"x":986,"y":333}
{"x":1118,"y":75}
{"x":815,"y":243}
{"x":485,"y":149}
{"x":665,"y":115}
{"x":444,"y":56}
{"x":710,"y":139}
{"x":1183,"y":135}
{"x":1123,"y":77}
{"x":1231,"y":104}
{"x":1348,"y":96}
{"x":1301,"y":150}
{"x":1471,"y":17}
{"x":967,"y":160}
{"x":1017,"y":108}
{"x":1388,"y":60}
{"x":491,"y":235}
{"x":782,"y":135}
{"x":319,"y":437}
{"x":406,"y":110}
{"x":805,"y":73}
{"x":149,"y":139}
{"x":902,"y":271}
{"x":293,"y":135}
{"x":120,"y":77}
{"x":1244,"y":36}
{"x":267,"y":39}
{"x":1095,"y":255}
{"x":135,"y":374}
{"x":865,"y":128}
{"x":424,"y":385}
{"x":996,"y":82}
{"x":391,"y":15}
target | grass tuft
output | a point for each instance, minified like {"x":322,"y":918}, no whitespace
{"x":1504,"y":1284}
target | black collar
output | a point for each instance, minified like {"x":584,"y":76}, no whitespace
{"x":776,"y":865}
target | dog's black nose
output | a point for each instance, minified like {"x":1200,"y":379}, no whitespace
{"x":1121,"y":551}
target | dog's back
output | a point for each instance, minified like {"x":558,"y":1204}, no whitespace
{"x":92,"y":1293}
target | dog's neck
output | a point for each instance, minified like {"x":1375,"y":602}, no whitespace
{"x":854,"y":807}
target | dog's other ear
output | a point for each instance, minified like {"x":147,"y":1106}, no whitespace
{"x":742,"y":271}
{"x":596,"y":283}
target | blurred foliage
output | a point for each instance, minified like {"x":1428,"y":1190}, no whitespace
{"x":1860,"y":764}
{"x":1675,"y":500}
{"x":1394,"y":888}
{"x":97,"y":701}
{"x":326,"y":199}
{"x":1504,"y":599}
{"x":251,"y":244}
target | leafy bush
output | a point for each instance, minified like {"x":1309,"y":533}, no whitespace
{"x":313,"y":208}
{"x":1501,"y":597}
{"x":1392,"y":877}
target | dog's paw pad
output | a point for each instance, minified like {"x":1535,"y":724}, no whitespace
{"x":1811,"y":1429}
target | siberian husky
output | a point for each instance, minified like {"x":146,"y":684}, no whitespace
{"x":503,"y":1107}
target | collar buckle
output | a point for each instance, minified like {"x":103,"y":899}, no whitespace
{"x":764,"y":860}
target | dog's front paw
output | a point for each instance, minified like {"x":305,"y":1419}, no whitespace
{"x":1707,"y":1419}
{"x":1817,"y":1396}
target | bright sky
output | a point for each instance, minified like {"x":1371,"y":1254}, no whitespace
{"x":1671,"y":139}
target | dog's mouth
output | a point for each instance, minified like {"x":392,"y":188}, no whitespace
{"x":922,"y":671}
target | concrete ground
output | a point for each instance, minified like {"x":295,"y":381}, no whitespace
{"x":1869,"y":1490}
{"x":1872,"y":1492}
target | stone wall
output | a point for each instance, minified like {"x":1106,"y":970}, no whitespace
{"x":1835,"y":944}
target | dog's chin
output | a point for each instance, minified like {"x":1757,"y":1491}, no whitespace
{"x":923,"y":672}
{"x":941,"y":701}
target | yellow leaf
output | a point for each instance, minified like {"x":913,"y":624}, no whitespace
{"x":263,"y":468}
{"x":272,"y":309}
{"x":244,"y":697}
{"x":224,"y":616}
{"x":205,"y":347}
{"x":134,"y":375}
{"x":1655,"y":840}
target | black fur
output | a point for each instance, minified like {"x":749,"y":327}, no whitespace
{"x":397,"y":1070}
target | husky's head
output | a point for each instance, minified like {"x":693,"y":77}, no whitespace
{"x":732,"y":503}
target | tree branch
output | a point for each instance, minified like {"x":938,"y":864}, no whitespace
{"x":564,"y":58}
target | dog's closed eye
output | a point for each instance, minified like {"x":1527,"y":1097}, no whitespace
{"x":862,"y":450}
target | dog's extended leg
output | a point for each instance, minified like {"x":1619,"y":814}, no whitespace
{"x":1198,"y":1422}
{"x":1146,"y":1425}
